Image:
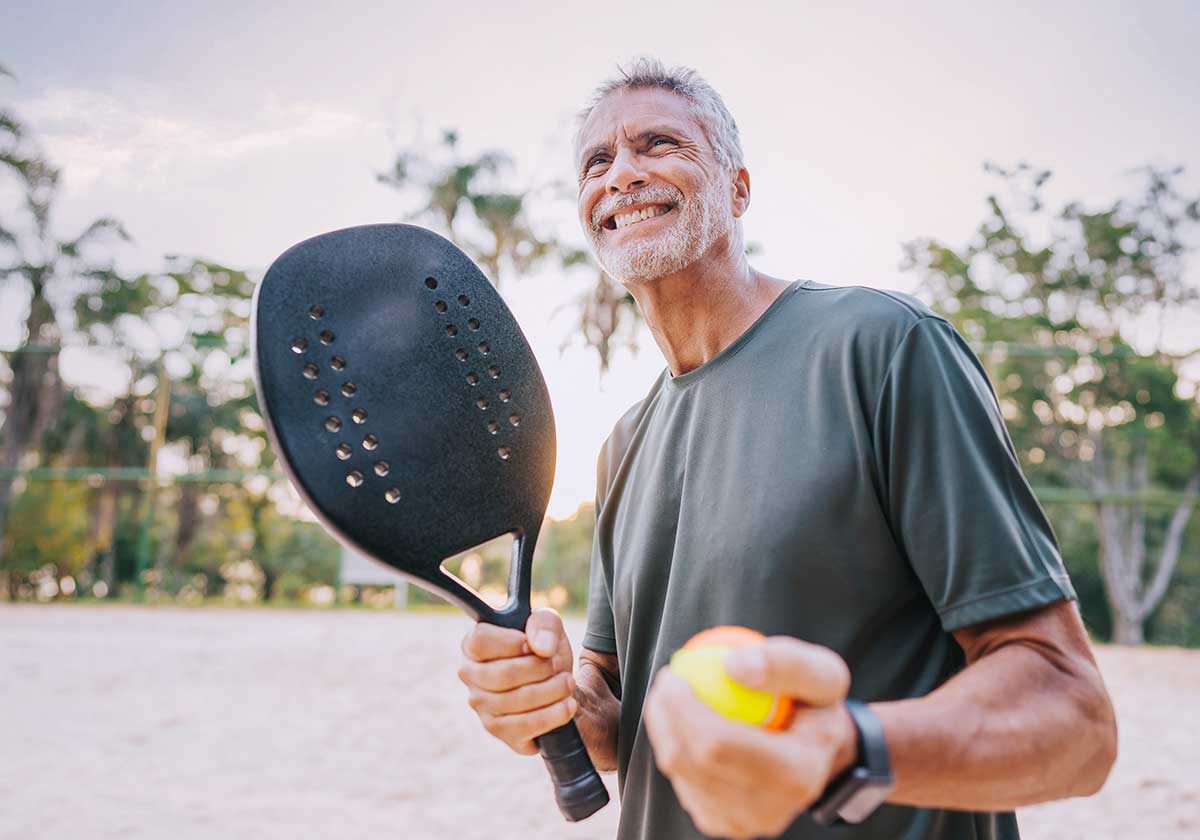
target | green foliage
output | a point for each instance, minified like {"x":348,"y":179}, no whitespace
{"x":1072,"y":332}
{"x":49,"y":527}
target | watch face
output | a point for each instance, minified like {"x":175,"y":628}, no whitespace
{"x":868,"y":793}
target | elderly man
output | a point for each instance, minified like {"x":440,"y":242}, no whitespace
{"x":828,"y":466}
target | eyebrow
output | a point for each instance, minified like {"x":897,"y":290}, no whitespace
{"x":652,"y":131}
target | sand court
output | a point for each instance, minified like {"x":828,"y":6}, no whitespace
{"x":262,"y":723}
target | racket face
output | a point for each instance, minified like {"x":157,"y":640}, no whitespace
{"x":405,"y":403}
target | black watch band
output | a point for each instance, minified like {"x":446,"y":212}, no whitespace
{"x":855,"y":794}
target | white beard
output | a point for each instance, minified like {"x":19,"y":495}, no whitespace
{"x":702,"y":221}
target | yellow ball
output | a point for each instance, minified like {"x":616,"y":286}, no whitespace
{"x":701,"y":663}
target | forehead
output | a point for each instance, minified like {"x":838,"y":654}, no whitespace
{"x":629,"y":111}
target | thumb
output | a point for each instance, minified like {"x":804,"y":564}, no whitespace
{"x":544,"y":630}
{"x":810,"y":673}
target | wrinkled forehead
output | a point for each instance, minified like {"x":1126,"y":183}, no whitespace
{"x":629,"y":112}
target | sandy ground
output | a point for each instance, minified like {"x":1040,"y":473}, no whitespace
{"x":165,"y":723}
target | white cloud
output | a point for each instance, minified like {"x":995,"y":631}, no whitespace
{"x":138,"y":132}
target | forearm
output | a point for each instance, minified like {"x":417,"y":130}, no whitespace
{"x":1020,"y":725}
{"x":599,"y":710}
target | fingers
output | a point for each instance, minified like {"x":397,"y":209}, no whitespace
{"x":486,"y":642}
{"x":545,"y":634}
{"x":518,"y":731}
{"x":692,"y":741}
{"x":505,"y":674}
{"x":783,"y":665}
{"x":524,"y":699}
{"x":520,"y":683}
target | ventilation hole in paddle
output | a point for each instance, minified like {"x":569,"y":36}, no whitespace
{"x":504,"y":452}
{"x":359,"y":415}
{"x":515,"y":419}
{"x":460,"y":354}
{"x":344,"y":451}
{"x":337,"y":363}
{"x":430,"y":283}
{"x":348,"y":389}
{"x":494,"y":372}
{"x":472,"y":378}
{"x":505,"y":395}
{"x":370,"y":442}
{"x":327,"y":337}
{"x":481,"y":403}
{"x":382,"y":468}
{"x":464,"y":300}
{"x":484,"y":569}
{"x":392,"y":495}
{"x":316,"y":312}
{"x":321,"y":397}
{"x":484,"y":348}
{"x":440,"y":306}
{"x":493,"y":427}
{"x":299,"y":345}
{"x":354,"y":478}
{"x":333,"y":424}
{"x":451,"y":330}
{"x":473,"y":323}
{"x":310,"y":371}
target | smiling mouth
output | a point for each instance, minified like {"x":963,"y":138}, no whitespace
{"x":623,"y":220}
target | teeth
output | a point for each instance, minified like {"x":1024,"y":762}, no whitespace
{"x":626,"y":219}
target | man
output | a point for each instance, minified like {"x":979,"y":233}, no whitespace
{"x":825,"y":465}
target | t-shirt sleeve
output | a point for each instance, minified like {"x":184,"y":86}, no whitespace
{"x":959,"y":506}
{"x":600,"y":634}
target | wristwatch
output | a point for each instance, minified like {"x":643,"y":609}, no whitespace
{"x":855,"y":794}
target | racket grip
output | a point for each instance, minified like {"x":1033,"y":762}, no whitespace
{"x":577,"y":786}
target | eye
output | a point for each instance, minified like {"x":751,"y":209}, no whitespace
{"x":595,"y":161}
{"x":658,"y":140}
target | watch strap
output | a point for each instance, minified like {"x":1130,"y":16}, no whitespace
{"x":855,"y":794}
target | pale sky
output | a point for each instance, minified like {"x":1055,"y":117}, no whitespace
{"x":233,"y":130}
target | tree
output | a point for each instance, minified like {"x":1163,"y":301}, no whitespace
{"x":1077,"y":334}
{"x":474,"y":203}
{"x":56,"y":273}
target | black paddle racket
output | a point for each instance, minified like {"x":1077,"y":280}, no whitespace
{"x":408,"y":410}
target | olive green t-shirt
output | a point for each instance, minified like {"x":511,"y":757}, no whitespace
{"x":839,"y":473}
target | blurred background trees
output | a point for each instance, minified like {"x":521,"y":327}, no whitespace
{"x":1085,"y":318}
{"x":1088,"y":323}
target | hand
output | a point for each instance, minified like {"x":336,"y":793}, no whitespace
{"x":740,"y":781}
{"x":520,"y":684}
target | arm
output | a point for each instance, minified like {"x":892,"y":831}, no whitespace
{"x":598,"y":692}
{"x":1028,"y":720}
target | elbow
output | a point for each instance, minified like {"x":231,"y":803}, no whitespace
{"x":1100,"y":734}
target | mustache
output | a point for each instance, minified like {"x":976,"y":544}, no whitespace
{"x":652,"y":194}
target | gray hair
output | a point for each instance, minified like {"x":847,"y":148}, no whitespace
{"x":706,"y":104}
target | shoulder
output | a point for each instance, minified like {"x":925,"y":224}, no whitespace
{"x":865,"y":309}
{"x":858,"y":328}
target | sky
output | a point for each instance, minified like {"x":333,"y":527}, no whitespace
{"x":233,"y":130}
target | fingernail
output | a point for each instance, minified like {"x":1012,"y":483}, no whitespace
{"x":572,"y":706}
{"x":747,"y":666}
{"x":544,"y":641}
{"x":570,"y":683}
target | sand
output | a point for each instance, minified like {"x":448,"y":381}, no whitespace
{"x":173,"y":723}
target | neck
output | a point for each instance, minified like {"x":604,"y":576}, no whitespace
{"x":696,"y":313}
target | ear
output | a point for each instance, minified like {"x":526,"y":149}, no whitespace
{"x":741,"y":193}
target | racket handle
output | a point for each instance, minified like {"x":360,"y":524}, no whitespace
{"x":577,"y":786}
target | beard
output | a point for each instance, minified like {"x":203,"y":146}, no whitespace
{"x":702,"y":220}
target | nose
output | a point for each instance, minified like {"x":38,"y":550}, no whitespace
{"x":624,"y":174}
